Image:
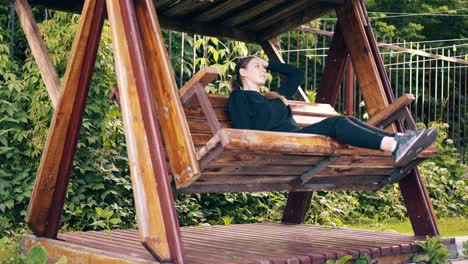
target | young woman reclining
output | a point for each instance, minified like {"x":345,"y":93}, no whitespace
{"x":249,"y":109}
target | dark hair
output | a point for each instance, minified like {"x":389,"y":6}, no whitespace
{"x":236,"y":82}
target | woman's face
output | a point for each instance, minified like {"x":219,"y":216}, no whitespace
{"x":255,"y":71}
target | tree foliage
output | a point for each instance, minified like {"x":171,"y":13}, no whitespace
{"x":435,"y":17}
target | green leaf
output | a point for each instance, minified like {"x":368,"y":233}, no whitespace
{"x":4,"y":173}
{"x":99,"y":223}
{"x":62,"y":260}
{"x":37,"y":255}
{"x":100,"y":212}
{"x":344,"y":259}
{"x":115,"y":221}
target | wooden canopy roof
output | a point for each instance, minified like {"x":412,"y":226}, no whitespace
{"x":245,"y":20}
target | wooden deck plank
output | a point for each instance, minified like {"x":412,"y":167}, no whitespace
{"x":247,"y":243}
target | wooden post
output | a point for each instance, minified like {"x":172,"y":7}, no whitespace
{"x":39,"y":50}
{"x":334,"y":68}
{"x":349,"y":86}
{"x":352,"y":26}
{"x":157,"y":218}
{"x":417,"y":201}
{"x":272,"y":52}
{"x":174,"y":126}
{"x":46,"y":206}
{"x":298,"y":202}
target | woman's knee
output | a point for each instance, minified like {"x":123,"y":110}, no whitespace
{"x":337,"y":120}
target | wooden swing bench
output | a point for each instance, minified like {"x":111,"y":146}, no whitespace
{"x":233,"y":160}
{"x":202,"y":150}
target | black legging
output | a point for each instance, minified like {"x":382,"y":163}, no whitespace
{"x":348,"y":130}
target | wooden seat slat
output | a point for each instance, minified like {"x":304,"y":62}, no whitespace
{"x":243,"y":179}
{"x":350,"y":171}
{"x":258,"y":170}
{"x":229,"y":158}
{"x":196,"y":187}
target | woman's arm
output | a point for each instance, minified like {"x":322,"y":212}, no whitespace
{"x":239,"y":110}
{"x":294,"y":77}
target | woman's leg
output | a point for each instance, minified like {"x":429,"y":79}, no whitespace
{"x":371,"y":128}
{"x":346,"y":131}
{"x":404,"y":147}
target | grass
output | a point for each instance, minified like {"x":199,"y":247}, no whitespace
{"x":448,"y":227}
{"x":9,"y":250}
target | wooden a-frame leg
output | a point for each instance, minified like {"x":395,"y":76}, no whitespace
{"x":155,"y":208}
{"x":334,"y":68}
{"x":418,"y":205}
{"x":39,"y":50}
{"x":298,"y":202}
{"x":46,"y":205}
{"x":417,"y":201}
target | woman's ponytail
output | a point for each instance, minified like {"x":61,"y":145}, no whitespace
{"x":274,"y":95}
{"x":235,"y":83}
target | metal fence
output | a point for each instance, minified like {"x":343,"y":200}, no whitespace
{"x":435,"y":75}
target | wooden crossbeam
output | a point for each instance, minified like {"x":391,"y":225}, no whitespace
{"x":219,"y":10}
{"x":39,"y":50}
{"x":157,"y":219}
{"x":50,"y":188}
{"x":392,"y":47}
{"x":208,"y":29}
{"x":302,"y":16}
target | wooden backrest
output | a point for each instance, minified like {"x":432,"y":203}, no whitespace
{"x":304,"y":114}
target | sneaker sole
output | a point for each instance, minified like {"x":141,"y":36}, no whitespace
{"x":417,"y":146}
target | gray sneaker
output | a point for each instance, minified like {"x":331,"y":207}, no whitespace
{"x":411,"y":144}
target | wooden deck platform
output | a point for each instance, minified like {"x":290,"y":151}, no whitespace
{"x":247,"y":243}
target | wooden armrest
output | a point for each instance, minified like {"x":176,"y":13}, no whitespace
{"x":203,"y":76}
{"x":196,"y":86}
{"x":389,"y":114}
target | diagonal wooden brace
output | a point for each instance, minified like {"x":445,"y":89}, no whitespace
{"x":195,"y":86}
{"x":39,"y":50}
{"x":130,"y":23}
{"x":50,"y":188}
{"x":203,"y":77}
{"x":309,"y":174}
